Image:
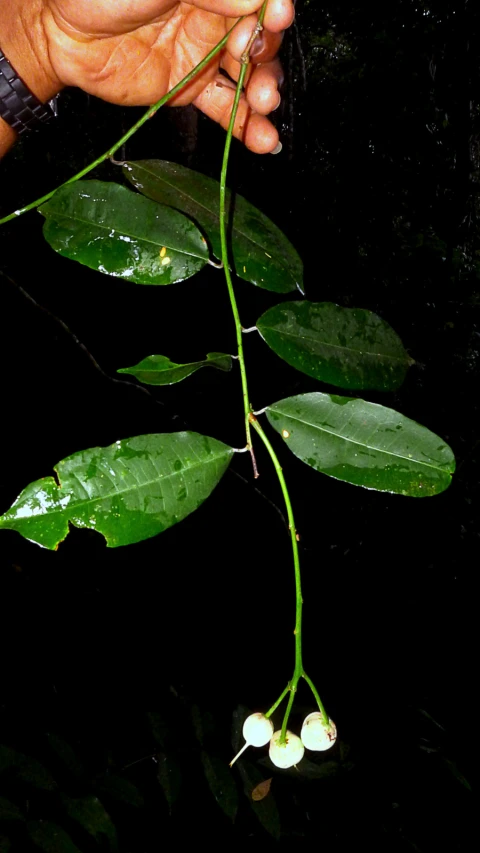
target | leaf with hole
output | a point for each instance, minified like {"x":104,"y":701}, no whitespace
{"x":348,"y":347}
{"x":261,"y":253}
{"x":111,"y":229}
{"x":128,"y":491}
{"x":364,"y":444}
{"x":159,"y":370}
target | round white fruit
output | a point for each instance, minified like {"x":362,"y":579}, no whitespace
{"x":316,"y":735}
{"x":288,"y":753}
{"x":257,"y":729}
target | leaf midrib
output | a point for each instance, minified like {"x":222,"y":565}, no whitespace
{"x":117,"y":492}
{"x":334,"y":346}
{"x":126,"y":233}
{"x":359,"y":444}
{"x":215,"y":218}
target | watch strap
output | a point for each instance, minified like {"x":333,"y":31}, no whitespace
{"x":18,"y":105}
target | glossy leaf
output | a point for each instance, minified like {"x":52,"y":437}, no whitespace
{"x":90,"y":814}
{"x":261,"y":252}
{"x":221,"y":783}
{"x":159,"y":370}
{"x":128,"y":491}
{"x":348,"y":347}
{"x":364,"y":444}
{"x":10,"y":811}
{"x":170,"y":778}
{"x":110,"y":229}
{"x":50,"y":838}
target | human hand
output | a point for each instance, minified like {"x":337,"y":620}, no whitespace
{"x":131,"y":52}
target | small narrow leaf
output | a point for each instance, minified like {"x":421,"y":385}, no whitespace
{"x":110,"y":229}
{"x":221,"y":783}
{"x":10,"y":811}
{"x":128,"y":491}
{"x":50,"y":838}
{"x":159,"y":370}
{"x":348,"y":347}
{"x":261,"y":252}
{"x":364,"y":444}
{"x":90,"y":814}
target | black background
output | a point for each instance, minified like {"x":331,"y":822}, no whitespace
{"x":377,"y":187}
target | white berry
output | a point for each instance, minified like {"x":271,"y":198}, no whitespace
{"x":316,"y":735}
{"x":257,"y":731}
{"x":288,"y":753}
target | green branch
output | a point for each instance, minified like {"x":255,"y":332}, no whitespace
{"x":111,"y":151}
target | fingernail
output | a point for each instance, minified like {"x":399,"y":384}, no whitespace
{"x":257,"y":47}
{"x":277,"y":148}
{"x":277,"y":104}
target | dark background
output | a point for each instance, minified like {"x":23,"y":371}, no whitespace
{"x":377,"y":187}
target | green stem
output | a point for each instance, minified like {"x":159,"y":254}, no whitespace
{"x":111,"y":151}
{"x":298,"y":670}
{"x":250,"y":419}
{"x":317,"y":697}
{"x":225,"y":259}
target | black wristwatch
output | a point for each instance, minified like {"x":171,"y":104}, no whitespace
{"x":18,"y":106}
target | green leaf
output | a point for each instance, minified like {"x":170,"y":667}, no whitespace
{"x":110,"y":229}
{"x":10,"y":811}
{"x":261,"y":252}
{"x":5,"y":844}
{"x":66,"y":754}
{"x":128,"y":491}
{"x":170,"y":778}
{"x":221,"y":783}
{"x":50,"y":837}
{"x":364,"y":444}
{"x":120,"y":789}
{"x":159,"y":370}
{"x":266,"y":810}
{"x":90,"y":814}
{"x":348,"y":347}
{"x":30,"y":770}
{"x":159,"y":728}
{"x":8,"y":758}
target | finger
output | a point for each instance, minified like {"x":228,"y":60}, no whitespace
{"x":262,"y":89}
{"x":254,"y":130}
{"x":261,"y":85}
{"x":265,"y":46}
{"x":279,"y":14}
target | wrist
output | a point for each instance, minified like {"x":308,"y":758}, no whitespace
{"x":24,"y":43}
